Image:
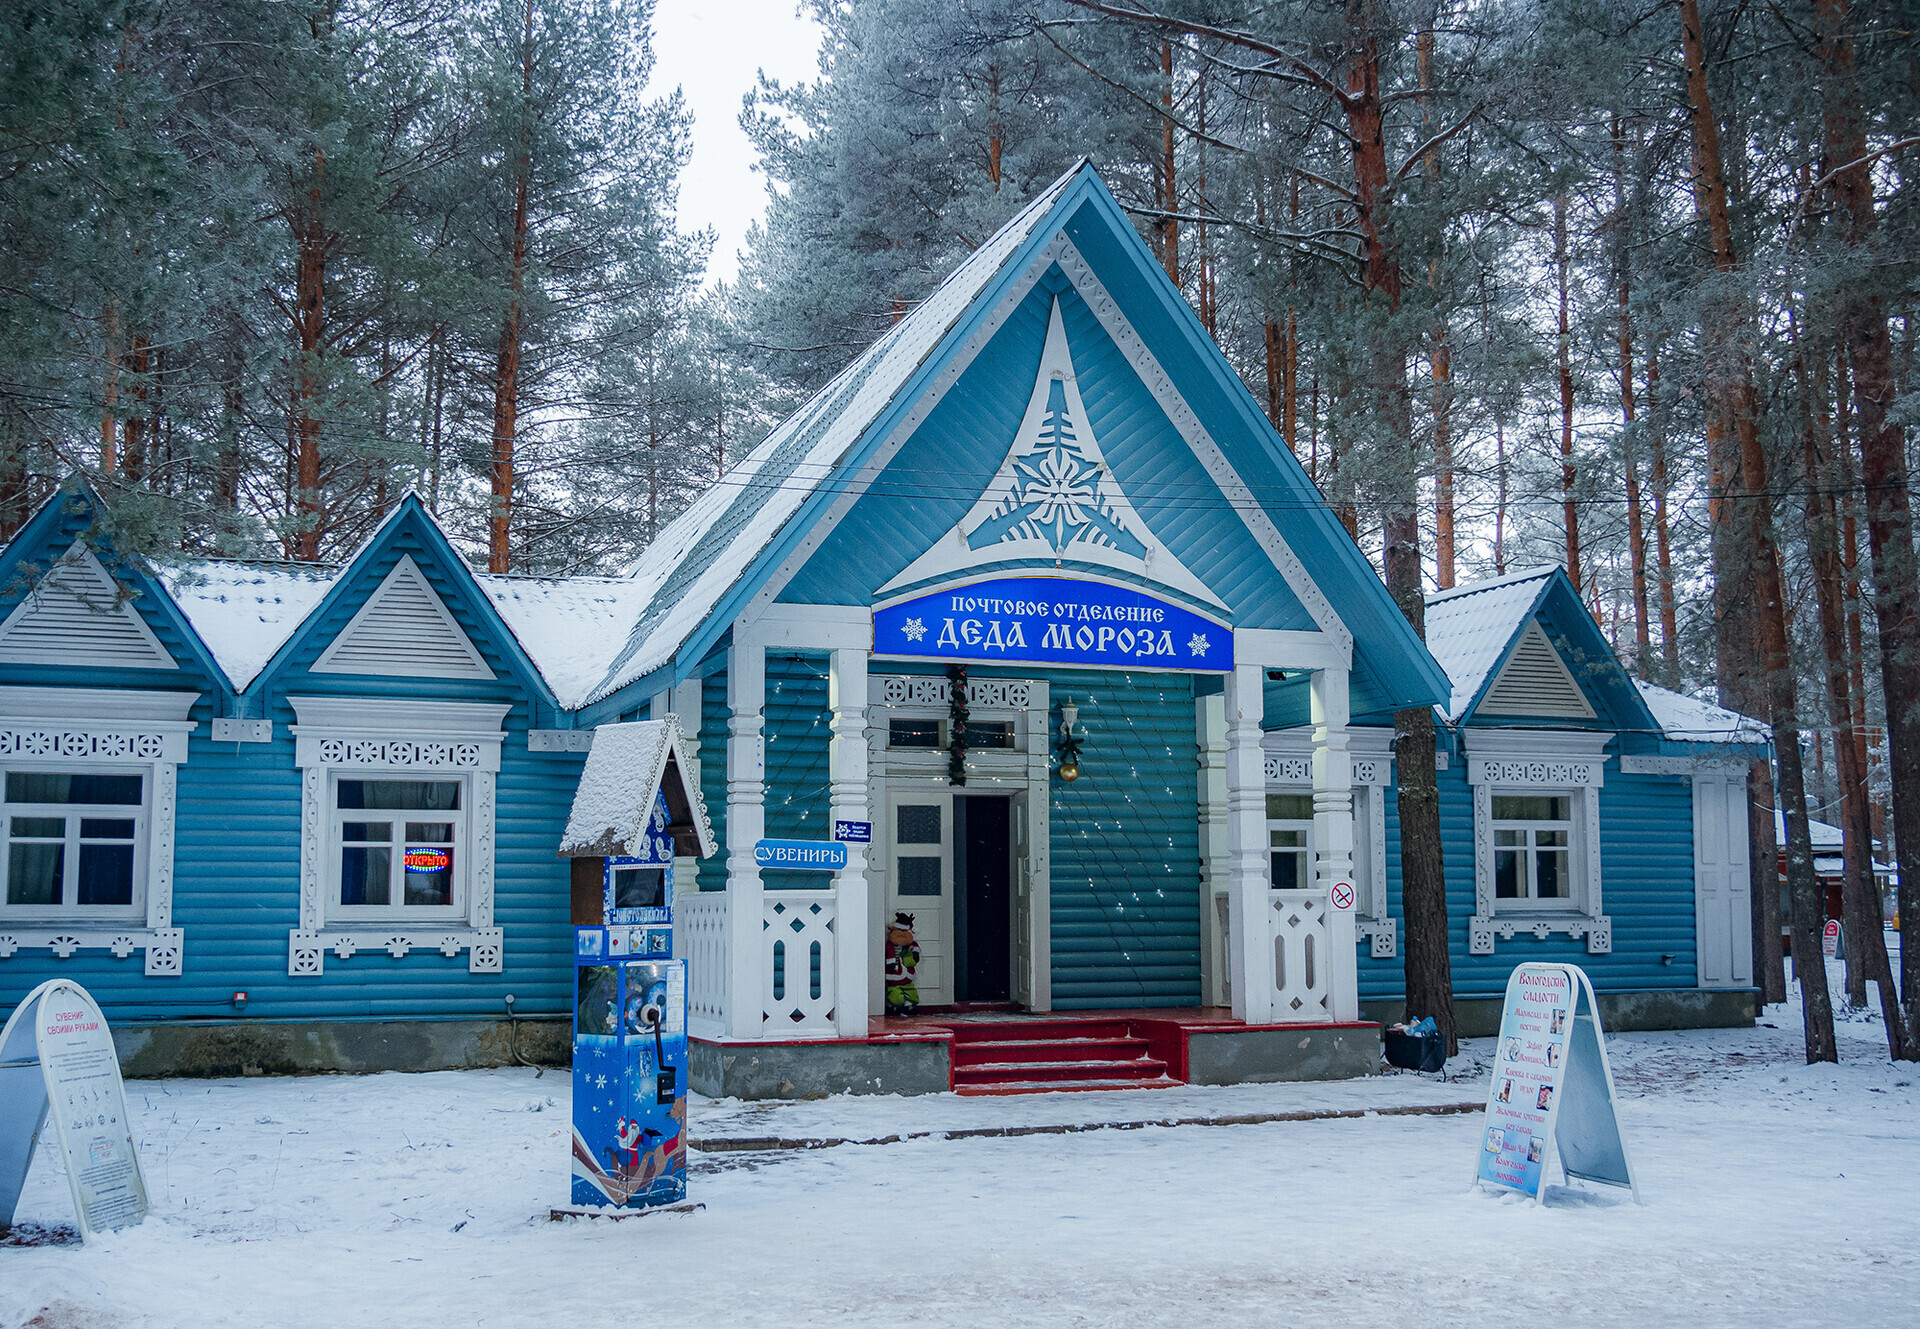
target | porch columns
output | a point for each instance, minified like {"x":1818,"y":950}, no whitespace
{"x":1333,"y":836}
{"x":847,"y":764}
{"x":1210,"y":714}
{"x":1249,"y":925}
{"x":746,"y":825}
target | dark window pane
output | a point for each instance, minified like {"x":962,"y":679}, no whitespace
{"x":364,"y":875}
{"x":380,"y":832}
{"x":1550,"y":875}
{"x":1286,"y":872}
{"x":98,"y":828}
{"x":989,"y":733}
{"x":429,"y":876}
{"x":919,"y":876}
{"x":106,"y":874}
{"x":913,"y":733}
{"x":1289,"y":807}
{"x":46,"y":828}
{"x":1506,"y":875}
{"x":34,"y":872}
{"x":917,"y":823}
{"x":639,"y":888}
{"x":431,"y":832}
{"x":1529,"y":807}
{"x":60,"y":787}
{"x":400,"y":795}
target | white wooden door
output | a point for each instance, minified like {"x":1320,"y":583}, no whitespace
{"x":1722,"y":888}
{"x":920,"y":882}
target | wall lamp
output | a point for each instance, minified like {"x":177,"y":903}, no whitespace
{"x":1069,"y":767}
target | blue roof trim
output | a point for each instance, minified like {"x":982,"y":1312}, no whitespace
{"x":409,"y":518}
{"x":73,"y":513}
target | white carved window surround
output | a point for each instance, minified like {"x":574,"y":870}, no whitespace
{"x":1289,"y":765}
{"x":1556,"y":774}
{"x":442,"y":755}
{"x":96,"y":732}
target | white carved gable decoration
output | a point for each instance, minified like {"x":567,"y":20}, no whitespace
{"x":1054,"y":498}
{"x":404,"y":630}
{"x":1536,"y":681}
{"x":79,"y":614}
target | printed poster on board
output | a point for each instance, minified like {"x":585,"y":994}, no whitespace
{"x":1526,"y":1075}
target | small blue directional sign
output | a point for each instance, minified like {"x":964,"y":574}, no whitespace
{"x":853,"y":832}
{"x":801,"y":855}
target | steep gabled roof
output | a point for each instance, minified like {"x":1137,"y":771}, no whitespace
{"x":1685,"y":719}
{"x":704,"y":552}
{"x":245,"y":612}
{"x":1475,"y":630}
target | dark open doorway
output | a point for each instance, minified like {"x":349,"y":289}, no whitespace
{"x":983,"y":897}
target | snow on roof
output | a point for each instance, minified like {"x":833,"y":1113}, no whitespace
{"x":1468,"y":629}
{"x":615,"y":797}
{"x":570,"y":627}
{"x":244,"y":612}
{"x":701,"y":554}
{"x":1690,"y":720}
{"x":1825,"y":838}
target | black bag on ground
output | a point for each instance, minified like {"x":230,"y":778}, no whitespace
{"x":1416,"y":1052}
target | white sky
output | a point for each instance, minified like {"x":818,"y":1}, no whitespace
{"x":713,"y":49}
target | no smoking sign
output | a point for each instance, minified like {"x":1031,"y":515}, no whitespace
{"x":1341,"y":895}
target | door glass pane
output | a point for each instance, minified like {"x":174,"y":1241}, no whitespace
{"x":913,"y":734}
{"x":34,"y":872}
{"x":917,"y":823}
{"x":989,"y":733}
{"x":106,"y":873}
{"x":400,"y":795}
{"x":365,"y":872}
{"x":919,"y":876}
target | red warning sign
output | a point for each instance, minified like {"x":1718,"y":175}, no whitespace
{"x":1341,"y":895}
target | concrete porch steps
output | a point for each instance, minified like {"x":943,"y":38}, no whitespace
{"x":1052,"y":1056}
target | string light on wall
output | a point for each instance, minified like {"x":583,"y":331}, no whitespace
{"x":1069,"y":767}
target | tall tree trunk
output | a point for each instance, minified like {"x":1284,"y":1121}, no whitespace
{"x":506,"y":374}
{"x":1563,"y":353}
{"x":110,"y":390}
{"x":1500,"y":497}
{"x":1429,"y":973}
{"x":996,"y":129}
{"x":133,"y":457}
{"x":1883,"y":470}
{"x":310,"y":274}
{"x":1731,"y":385}
{"x":1866,"y":943}
{"x":1663,"y":544}
{"x":1629,"y":460}
{"x":1849,"y":499}
{"x":1169,"y":184}
{"x":1276,"y":350}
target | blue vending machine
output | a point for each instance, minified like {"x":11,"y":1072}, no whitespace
{"x":630,"y":1037}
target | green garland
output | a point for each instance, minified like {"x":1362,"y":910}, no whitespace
{"x":957,"y":724}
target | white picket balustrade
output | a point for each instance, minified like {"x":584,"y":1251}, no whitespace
{"x":1302,"y":949}
{"x":797,"y":953}
{"x":701,"y":934}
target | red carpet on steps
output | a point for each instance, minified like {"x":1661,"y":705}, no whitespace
{"x":1038,"y":1056}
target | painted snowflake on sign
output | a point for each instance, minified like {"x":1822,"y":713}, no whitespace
{"x":1198,"y":645}
{"x":913,"y":629}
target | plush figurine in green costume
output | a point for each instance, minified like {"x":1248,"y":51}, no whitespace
{"x":903,"y":957}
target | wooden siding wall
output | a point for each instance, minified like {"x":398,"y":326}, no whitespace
{"x":1646,"y":867}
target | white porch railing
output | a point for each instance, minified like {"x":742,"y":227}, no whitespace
{"x":799,"y":968}
{"x":1302,"y":956}
{"x":701,"y":930}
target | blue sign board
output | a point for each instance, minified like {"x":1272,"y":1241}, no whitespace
{"x":853,"y":832}
{"x":804,"y":855}
{"x":1053,"y":620}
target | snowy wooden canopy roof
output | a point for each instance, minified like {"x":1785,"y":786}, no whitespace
{"x":627,"y":765}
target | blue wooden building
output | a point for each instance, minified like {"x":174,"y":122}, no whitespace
{"x":308,"y":816}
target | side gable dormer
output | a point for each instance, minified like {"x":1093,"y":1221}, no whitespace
{"x":404,"y":630}
{"x":78,"y":612}
{"x":1535,"y":682}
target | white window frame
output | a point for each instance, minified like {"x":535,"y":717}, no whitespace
{"x":73,"y":815}
{"x":1538,"y":762}
{"x":398,"y":818}
{"x":1529,"y":851}
{"x":376,"y":738}
{"x":106,"y":732}
{"x":1304,"y":850}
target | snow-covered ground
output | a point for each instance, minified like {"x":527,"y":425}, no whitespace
{"x":1775,"y":1193}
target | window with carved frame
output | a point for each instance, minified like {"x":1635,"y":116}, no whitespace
{"x":397,"y":845}
{"x":75,"y":842}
